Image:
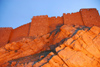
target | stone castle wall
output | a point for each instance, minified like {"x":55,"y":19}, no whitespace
{"x":55,"y":22}
{"x":43,"y":24}
{"x":73,"y":18}
{"x":39,"y":26}
{"x":20,"y":32}
{"x":4,"y":35}
{"x":90,"y":17}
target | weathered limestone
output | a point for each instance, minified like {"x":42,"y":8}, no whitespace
{"x":75,"y":46}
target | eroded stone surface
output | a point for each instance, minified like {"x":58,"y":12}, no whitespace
{"x":71,"y":46}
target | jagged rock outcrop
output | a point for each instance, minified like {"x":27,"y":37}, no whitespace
{"x":69,"y":46}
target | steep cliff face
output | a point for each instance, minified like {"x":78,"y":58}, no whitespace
{"x":68,"y":46}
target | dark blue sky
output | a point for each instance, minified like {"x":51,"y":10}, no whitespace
{"x":14,"y":13}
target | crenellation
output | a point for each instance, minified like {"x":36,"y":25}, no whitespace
{"x":90,"y":17}
{"x":41,"y":25}
{"x":58,"y":16}
{"x":73,"y":18}
{"x":54,"y":22}
{"x":53,"y":17}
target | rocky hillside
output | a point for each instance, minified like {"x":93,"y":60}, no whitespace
{"x":66,"y":46}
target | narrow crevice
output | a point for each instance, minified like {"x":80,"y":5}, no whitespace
{"x":31,"y":58}
{"x":47,"y":61}
{"x":55,"y":53}
{"x":56,"y":30}
{"x":61,"y":58}
{"x":52,"y":47}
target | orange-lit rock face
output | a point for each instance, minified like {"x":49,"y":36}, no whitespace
{"x":53,"y":42}
{"x":70,"y":43}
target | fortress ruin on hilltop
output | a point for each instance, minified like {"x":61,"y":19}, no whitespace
{"x":41,"y":25}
